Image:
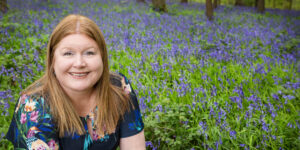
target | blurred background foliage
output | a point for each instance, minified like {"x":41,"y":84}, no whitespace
{"x":273,"y":4}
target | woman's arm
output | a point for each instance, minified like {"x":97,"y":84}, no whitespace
{"x":132,"y":126}
{"x":135,"y":142}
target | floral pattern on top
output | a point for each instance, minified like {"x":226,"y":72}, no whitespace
{"x":32,"y":126}
{"x":95,"y":135}
{"x":138,"y":123}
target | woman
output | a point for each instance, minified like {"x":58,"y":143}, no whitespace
{"x":77,"y":104}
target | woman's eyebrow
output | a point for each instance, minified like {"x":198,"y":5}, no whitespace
{"x":88,"y":48}
{"x":66,"y":47}
{"x":71,"y":48}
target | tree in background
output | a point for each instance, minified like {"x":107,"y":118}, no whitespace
{"x":255,"y":3}
{"x":142,"y":1}
{"x":209,"y":10}
{"x":238,"y":3}
{"x":261,"y":6}
{"x":3,"y":6}
{"x":183,"y":1}
{"x":290,"y":4}
{"x":216,"y":3}
{"x":159,"y":5}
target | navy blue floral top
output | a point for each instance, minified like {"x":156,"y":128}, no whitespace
{"x":32,"y":126}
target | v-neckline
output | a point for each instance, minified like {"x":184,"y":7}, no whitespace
{"x":91,"y":114}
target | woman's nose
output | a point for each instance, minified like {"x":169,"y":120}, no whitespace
{"x":79,"y":62}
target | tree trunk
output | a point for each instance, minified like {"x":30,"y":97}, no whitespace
{"x":238,"y":3}
{"x":3,"y":6}
{"x":142,"y":1}
{"x":290,"y":4}
{"x":159,"y":5}
{"x":255,"y":3}
{"x":215,"y":4}
{"x":209,"y":10}
{"x":261,"y":6}
{"x":183,"y":1}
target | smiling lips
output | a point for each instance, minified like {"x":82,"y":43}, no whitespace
{"x":79,"y":75}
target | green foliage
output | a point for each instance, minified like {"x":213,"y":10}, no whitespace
{"x":291,"y":46}
{"x":170,"y":129}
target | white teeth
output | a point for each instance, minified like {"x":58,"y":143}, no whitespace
{"x":78,"y":74}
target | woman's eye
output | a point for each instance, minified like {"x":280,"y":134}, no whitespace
{"x":90,"y":53}
{"x":68,"y":53}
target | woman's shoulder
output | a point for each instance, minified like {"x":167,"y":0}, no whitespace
{"x":31,"y":102}
{"x":115,"y":79}
{"x":32,"y":125}
{"x":120,"y":80}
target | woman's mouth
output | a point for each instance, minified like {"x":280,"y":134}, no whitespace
{"x":79,"y":74}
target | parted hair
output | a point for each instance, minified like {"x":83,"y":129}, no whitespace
{"x":112,"y":101}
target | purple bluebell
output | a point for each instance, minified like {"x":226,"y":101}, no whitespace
{"x":232,"y":134}
{"x":288,"y":97}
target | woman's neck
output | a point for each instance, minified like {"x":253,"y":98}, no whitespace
{"x":83,"y":102}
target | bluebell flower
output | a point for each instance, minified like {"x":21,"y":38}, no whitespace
{"x":232,"y":134}
{"x":211,"y":112}
{"x":275,"y":96}
{"x":149,"y":143}
{"x":159,"y":107}
{"x":288,"y":97}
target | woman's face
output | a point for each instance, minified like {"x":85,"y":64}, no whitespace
{"x":77,"y":63}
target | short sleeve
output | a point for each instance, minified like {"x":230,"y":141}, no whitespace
{"x":132,"y":122}
{"x":31,"y":126}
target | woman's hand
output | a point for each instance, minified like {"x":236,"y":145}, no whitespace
{"x":135,"y":142}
